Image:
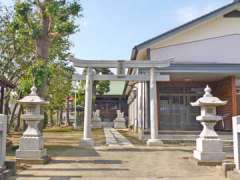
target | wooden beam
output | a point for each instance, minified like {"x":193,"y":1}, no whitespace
{"x":160,"y":77}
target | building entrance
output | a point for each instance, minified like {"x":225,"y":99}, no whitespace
{"x":176,"y":113}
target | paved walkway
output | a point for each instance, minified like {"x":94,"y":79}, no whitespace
{"x":114,"y":138}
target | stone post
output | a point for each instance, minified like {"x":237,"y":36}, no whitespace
{"x":236,"y":141}
{"x":96,"y":120}
{"x":31,"y":146}
{"x":209,"y":148}
{"x":120,"y":121}
{"x":3,"y":137}
{"x":153,"y":141}
{"x":87,"y":140}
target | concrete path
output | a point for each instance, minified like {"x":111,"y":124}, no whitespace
{"x":114,"y":138}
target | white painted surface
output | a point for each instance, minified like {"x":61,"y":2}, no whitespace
{"x":236,"y":141}
{"x":153,"y":107}
{"x":88,"y":108}
{"x":3,"y":137}
{"x":215,"y":27}
{"x":217,"y":50}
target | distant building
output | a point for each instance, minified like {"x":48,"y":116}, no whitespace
{"x":109,"y":103}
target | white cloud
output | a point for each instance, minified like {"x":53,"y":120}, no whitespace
{"x":188,"y":13}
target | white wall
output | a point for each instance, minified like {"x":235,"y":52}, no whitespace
{"x":215,"y":27}
{"x":224,"y":49}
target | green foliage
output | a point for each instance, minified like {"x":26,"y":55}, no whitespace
{"x":34,"y":46}
{"x":59,"y":86}
{"x":99,"y":87}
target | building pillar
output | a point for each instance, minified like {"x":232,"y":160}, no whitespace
{"x":87,"y":140}
{"x":153,"y":141}
{"x":140,"y":110}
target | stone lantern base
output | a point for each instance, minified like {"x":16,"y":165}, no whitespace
{"x":120,"y":123}
{"x":209,"y":151}
{"x":31,"y":151}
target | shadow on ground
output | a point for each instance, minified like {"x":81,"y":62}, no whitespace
{"x":70,"y":151}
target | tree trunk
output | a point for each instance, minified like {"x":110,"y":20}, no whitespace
{"x":58,"y":122}
{"x":18,"y":118}
{"x":6,"y":105}
{"x":42,"y":48}
{"x":51,"y":118}
{"x":67,"y":113}
{"x":1,"y":100}
{"x":12,"y":116}
{"x":61,"y":116}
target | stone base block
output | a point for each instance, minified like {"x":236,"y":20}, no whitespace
{"x":119,"y":124}
{"x":87,"y":142}
{"x":31,"y":154}
{"x":209,"y":157}
{"x":154,"y":142}
{"x":209,"y":145}
{"x":27,"y":143}
{"x":209,"y":150}
{"x":96,"y":124}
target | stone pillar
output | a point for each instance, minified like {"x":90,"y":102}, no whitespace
{"x":3,"y":137}
{"x":236,"y":141}
{"x":209,"y":147}
{"x":153,"y":141}
{"x":87,"y":140}
{"x":31,"y":146}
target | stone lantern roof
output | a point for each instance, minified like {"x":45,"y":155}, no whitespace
{"x":208,"y":99}
{"x":33,"y":98}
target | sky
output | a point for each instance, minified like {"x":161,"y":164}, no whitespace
{"x":109,"y":29}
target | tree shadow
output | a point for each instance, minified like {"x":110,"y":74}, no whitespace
{"x":71,"y":151}
{"x":87,"y":161}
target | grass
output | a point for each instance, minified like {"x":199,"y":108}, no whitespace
{"x":60,"y":141}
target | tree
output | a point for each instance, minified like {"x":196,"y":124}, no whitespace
{"x":59,"y":87}
{"x":15,"y":56}
{"x":48,"y":24}
{"x":34,"y":38}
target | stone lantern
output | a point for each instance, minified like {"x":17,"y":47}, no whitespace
{"x":209,"y":147}
{"x":31,"y":145}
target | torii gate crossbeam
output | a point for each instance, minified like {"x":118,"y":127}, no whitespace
{"x":121,"y":65}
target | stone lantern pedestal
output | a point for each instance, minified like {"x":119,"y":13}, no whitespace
{"x":120,"y":121}
{"x":31,"y":146}
{"x":209,"y":147}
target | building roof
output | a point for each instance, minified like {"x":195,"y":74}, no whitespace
{"x":116,"y":88}
{"x":218,"y":12}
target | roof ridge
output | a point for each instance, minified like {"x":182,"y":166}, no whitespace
{"x":185,"y":25}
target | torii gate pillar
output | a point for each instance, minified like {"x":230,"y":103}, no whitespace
{"x":87,"y":140}
{"x":153,"y":141}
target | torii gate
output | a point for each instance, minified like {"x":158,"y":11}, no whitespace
{"x":121,"y":65}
